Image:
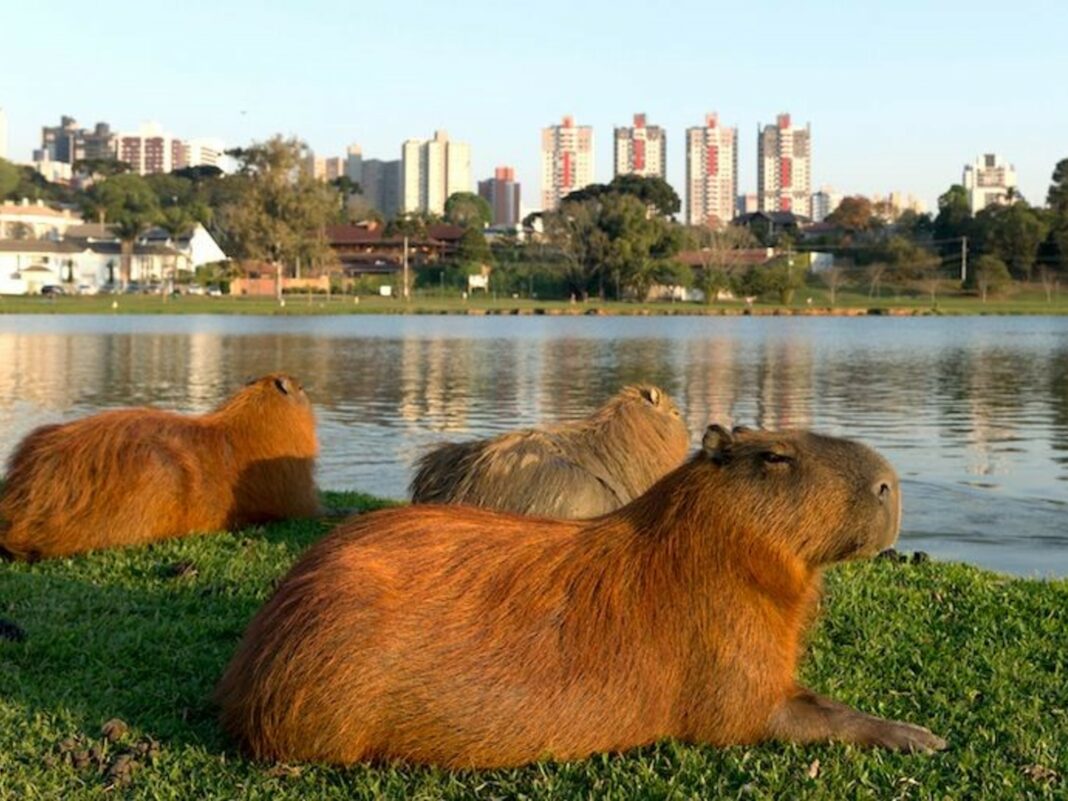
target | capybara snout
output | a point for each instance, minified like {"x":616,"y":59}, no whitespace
{"x":133,"y":476}
{"x":844,"y":486}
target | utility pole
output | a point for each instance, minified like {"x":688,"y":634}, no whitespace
{"x":963,"y":259}
{"x":406,"y":268}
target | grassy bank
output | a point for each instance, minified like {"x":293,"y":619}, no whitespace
{"x":142,"y":635}
{"x":1024,"y":301}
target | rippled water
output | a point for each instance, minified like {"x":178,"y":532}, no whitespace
{"x":972,"y":411}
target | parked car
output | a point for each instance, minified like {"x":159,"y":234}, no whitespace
{"x":214,"y":292}
{"x":194,"y":289}
{"x":52,"y":290}
{"x":133,"y":288}
{"x":88,"y":289}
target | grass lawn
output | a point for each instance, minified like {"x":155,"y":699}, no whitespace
{"x":1021,"y":301}
{"x":142,"y":635}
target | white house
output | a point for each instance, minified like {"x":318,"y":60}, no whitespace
{"x":28,"y":265}
{"x":198,"y":247}
{"x":34,"y":220}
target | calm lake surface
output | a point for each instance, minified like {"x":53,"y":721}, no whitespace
{"x":972,"y":411}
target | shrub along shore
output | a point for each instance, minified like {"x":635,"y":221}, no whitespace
{"x":845,"y":305}
{"x":107,"y":695}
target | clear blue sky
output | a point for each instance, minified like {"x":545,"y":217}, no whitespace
{"x":899,"y":94}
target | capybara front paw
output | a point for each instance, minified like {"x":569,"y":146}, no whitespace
{"x":898,"y":736}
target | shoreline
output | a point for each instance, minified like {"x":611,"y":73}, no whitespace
{"x":302,"y":306}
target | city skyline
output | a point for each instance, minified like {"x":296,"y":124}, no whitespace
{"x":479,"y":71}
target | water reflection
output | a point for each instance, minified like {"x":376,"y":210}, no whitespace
{"x":974,"y":412}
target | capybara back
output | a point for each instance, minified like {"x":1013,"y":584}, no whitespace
{"x":572,"y":470}
{"x":134,"y":476}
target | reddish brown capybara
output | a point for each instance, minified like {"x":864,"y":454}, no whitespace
{"x":465,"y":637}
{"x":573,"y":470}
{"x":133,"y":476}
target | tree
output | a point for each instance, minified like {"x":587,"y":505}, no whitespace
{"x":652,"y":191}
{"x":782,"y":277}
{"x":413,"y":224}
{"x":281,"y":214}
{"x":468,"y":210}
{"x":636,"y":243}
{"x":1057,"y":199}
{"x":909,"y":263}
{"x":833,"y":277}
{"x":100,"y":168}
{"x":991,"y":275}
{"x":854,"y":213}
{"x":127,"y":204}
{"x":176,"y":221}
{"x":573,"y":232}
{"x":954,"y":214}
{"x":473,"y":249}
{"x":1013,"y":234}
{"x":717,"y":251}
{"x":9,"y":178}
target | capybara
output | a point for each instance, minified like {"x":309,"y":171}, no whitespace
{"x":571,"y":470}
{"x":466,"y":637}
{"x":133,"y":476}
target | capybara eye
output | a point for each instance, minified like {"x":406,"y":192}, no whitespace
{"x":771,"y":457}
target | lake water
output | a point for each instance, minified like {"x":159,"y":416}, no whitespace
{"x":972,"y":411}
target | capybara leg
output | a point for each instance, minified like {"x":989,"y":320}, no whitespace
{"x":807,"y":717}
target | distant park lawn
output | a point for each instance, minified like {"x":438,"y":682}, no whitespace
{"x":141,"y":636}
{"x":1029,"y":300}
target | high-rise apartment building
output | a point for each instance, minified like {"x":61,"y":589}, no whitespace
{"x":151,"y":150}
{"x":333,"y":167}
{"x":204,"y":153}
{"x":381,"y":184}
{"x":824,"y":202}
{"x":566,"y":161}
{"x":989,"y":180}
{"x":640,"y":150}
{"x":354,"y":163}
{"x":67,"y":143}
{"x":784,"y":167}
{"x":432,"y":170}
{"x":502,"y":193}
{"x":711,"y":173}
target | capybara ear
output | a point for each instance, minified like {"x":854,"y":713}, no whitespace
{"x":716,"y":443}
{"x":741,"y":430}
{"x":283,"y":384}
{"x":651,"y":394}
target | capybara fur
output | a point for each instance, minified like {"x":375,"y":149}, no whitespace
{"x":465,"y":637}
{"x":571,"y":470}
{"x":133,"y":476}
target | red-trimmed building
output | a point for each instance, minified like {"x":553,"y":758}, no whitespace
{"x":365,"y":248}
{"x":784,"y":167}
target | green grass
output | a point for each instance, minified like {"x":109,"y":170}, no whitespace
{"x":1023,"y":300}
{"x":978,"y":657}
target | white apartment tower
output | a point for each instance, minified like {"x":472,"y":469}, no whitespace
{"x":433,"y":170}
{"x":151,"y":150}
{"x":640,"y":150}
{"x":784,"y":167}
{"x":989,"y":180}
{"x":566,"y":161}
{"x":204,"y":152}
{"x":711,"y":173}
